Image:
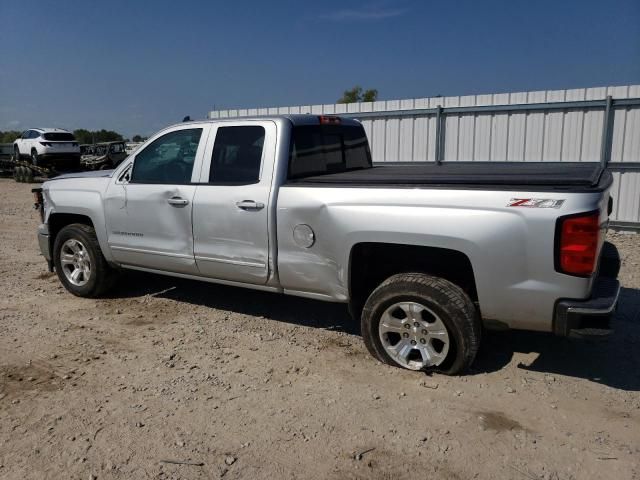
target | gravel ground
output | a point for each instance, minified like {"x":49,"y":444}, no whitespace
{"x":243,"y":384}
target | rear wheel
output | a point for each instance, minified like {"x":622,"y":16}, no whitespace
{"x":34,"y":157}
{"x":419,"y":322}
{"x":21,"y":174}
{"x":79,"y":262}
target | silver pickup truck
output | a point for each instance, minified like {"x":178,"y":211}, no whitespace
{"x":424,"y":255}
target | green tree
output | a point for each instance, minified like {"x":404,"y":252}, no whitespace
{"x":9,"y":136}
{"x":353,"y":95}
{"x":83,"y":136}
{"x":98,"y":136}
{"x":357,"y":94}
{"x":370,"y":95}
{"x":107,"y":136}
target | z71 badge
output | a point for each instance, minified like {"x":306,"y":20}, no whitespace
{"x":535,"y":202}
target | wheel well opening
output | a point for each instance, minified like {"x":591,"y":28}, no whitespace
{"x":372,"y":263}
{"x":58,"y":221}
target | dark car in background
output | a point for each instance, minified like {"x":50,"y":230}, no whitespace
{"x":103,"y":156}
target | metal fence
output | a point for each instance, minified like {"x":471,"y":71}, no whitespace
{"x":580,"y":125}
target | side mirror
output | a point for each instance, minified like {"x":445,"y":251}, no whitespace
{"x":125,"y":176}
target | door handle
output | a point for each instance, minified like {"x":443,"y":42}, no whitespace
{"x":178,"y":201}
{"x":250,"y":205}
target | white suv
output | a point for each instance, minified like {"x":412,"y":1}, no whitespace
{"x":48,"y":147}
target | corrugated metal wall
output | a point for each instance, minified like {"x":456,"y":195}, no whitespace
{"x":571,"y":134}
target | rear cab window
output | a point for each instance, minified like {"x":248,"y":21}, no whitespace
{"x":325,"y":149}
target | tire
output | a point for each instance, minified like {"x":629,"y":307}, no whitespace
{"x":34,"y":157}
{"x":610,"y":261}
{"x":434,"y":322}
{"x":19,"y":174}
{"x":16,"y":154}
{"x":28,"y":175}
{"x":16,"y":174}
{"x":101,"y":276}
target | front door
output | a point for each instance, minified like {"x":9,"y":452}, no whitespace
{"x":148,"y":210}
{"x":231,"y":204}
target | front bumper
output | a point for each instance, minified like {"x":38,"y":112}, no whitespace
{"x":592,"y":317}
{"x":45,"y":244}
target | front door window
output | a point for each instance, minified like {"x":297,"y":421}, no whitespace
{"x":168,"y":159}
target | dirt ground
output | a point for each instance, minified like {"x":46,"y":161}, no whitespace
{"x":243,"y":384}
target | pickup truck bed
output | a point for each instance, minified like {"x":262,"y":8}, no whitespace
{"x":541,"y":176}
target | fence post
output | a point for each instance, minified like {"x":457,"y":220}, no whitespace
{"x":439,"y":135}
{"x":607,"y":130}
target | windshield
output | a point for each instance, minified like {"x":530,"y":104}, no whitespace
{"x":59,"y":137}
{"x":323,"y":149}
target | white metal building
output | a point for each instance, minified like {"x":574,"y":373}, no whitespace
{"x":579,"y":125}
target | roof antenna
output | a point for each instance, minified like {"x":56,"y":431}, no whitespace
{"x":187,"y":119}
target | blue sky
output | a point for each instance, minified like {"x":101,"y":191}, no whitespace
{"x":136,"y":66}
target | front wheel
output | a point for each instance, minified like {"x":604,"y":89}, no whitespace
{"x":420,"y":322}
{"x":34,"y":157}
{"x":79,"y":262}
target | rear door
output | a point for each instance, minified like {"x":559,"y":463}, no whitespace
{"x":148,"y":208}
{"x":230,"y":212}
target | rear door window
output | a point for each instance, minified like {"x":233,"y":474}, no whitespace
{"x":237,"y":155}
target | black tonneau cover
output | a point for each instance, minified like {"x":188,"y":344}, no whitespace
{"x":563,"y":175}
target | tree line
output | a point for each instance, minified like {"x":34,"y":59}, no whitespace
{"x":82,"y":136}
{"x":352,"y":95}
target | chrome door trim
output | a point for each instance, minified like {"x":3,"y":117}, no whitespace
{"x":232,"y":262}
{"x":254,"y":286}
{"x":150,"y":252}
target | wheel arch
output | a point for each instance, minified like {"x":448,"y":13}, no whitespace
{"x":370,"y":263}
{"x":58,"y":220}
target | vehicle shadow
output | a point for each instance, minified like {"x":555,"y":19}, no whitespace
{"x":282,"y":308}
{"x":613,"y":361}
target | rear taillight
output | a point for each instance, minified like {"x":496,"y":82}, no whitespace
{"x":578,"y":241}
{"x":46,"y":144}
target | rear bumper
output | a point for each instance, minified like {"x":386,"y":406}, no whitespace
{"x":66,"y":159}
{"x":591,"y":317}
